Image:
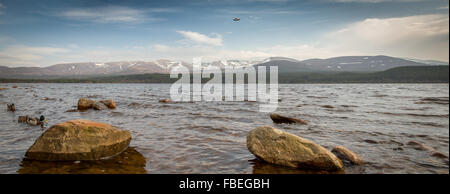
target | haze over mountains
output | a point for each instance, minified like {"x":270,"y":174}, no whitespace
{"x":336,"y":64}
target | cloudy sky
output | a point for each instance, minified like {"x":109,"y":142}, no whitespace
{"x":47,"y":32}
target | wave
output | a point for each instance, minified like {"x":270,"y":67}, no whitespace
{"x":410,"y":114}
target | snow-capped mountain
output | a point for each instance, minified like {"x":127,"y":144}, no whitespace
{"x":230,"y":63}
{"x":96,"y":68}
{"x":428,"y":62}
{"x":342,"y":64}
{"x":336,"y":64}
{"x":359,"y":63}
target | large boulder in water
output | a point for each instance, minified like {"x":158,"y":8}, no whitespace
{"x":79,"y":140}
{"x":85,"y":104}
{"x":276,"y":118}
{"x":281,"y":148}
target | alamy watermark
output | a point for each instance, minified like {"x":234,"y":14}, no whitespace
{"x":226,"y":84}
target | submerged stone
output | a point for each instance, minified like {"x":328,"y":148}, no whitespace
{"x":276,"y":118}
{"x":99,"y":106}
{"x":346,"y":155}
{"x":109,"y":103}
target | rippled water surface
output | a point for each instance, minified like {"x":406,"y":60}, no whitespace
{"x":374,"y":120}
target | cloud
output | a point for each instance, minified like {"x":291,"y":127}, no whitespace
{"x":420,"y":36}
{"x":423,"y":36}
{"x":201,"y":38}
{"x":113,"y":14}
{"x":21,"y":55}
{"x":1,"y":8}
{"x":4,"y":39}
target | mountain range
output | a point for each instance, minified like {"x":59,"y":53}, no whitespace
{"x":336,"y":64}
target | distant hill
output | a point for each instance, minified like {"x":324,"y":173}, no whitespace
{"x":408,"y":74}
{"x":93,"y":68}
{"x":359,"y":63}
{"x":336,"y":64}
{"x":285,"y":64}
{"x":344,"y":64}
{"x":428,"y":62}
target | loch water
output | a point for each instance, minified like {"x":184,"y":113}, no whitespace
{"x":377,"y":121}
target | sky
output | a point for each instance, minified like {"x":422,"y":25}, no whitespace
{"x":48,"y":32}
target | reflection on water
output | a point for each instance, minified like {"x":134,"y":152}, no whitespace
{"x":129,"y":161}
{"x":261,"y":167}
{"x":375,"y":121}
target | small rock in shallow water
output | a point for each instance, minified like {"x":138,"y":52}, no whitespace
{"x":276,"y":118}
{"x":164,"y":100}
{"x":109,"y":103}
{"x":282,"y":148}
{"x":327,"y":106}
{"x":346,"y":155}
{"x":439,"y":155}
{"x":85,"y":103}
{"x":371,"y":141}
{"x":99,"y":106}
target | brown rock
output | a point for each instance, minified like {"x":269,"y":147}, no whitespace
{"x":276,"y":118}
{"x":79,"y":140}
{"x":15,"y":86}
{"x":439,"y":155}
{"x":99,"y":106}
{"x":281,"y":148}
{"x":109,"y":103}
{"x":370,"y":141}
{"x":328,"y":106}
{"x":346,"y":155}
{"x":164,"y":100}
{"x":85,"y":103}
